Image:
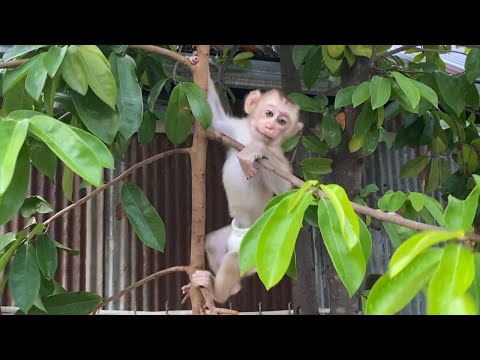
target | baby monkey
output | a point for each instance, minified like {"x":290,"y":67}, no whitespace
{"x":271,"y":119}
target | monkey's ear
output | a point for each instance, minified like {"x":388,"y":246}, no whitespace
{"x":299,"y":126}
{"x":252,"y":100}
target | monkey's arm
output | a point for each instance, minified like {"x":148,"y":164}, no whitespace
{"x":275,"y":182}
{"x":220,"y":121}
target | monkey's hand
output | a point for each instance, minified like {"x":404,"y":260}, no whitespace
{"x":248,"y":156}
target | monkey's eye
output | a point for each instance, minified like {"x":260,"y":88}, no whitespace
{"x":269,"y":113}
{"x":282,"y":121}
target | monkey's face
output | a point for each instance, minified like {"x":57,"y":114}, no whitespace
{"x":274,"y":118}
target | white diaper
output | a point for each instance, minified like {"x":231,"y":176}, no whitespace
{"x":236,"y":237}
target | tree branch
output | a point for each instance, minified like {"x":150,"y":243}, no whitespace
{"x":198,"y":161}
{"x":12,"y":63}
{"x":394,"y":51}
{"x":140,"y":283}
{"x":116,"y":180}
{"x":365,"y":210}
{"x":165,"y":52}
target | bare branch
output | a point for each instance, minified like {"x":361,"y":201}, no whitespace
{"x":165,"y":52}
{"x":140,"y":283}
{"x":12,"y":63}
{"x":116,"y":180}
{"x":365,"y":210}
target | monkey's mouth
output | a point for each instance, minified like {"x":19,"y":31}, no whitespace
{"x":264,"y":135}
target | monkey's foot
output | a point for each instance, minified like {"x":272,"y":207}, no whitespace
{"x":203,"y":278}
{"x":193,"y":58}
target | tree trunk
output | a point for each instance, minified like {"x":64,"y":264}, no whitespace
{"x":347,"y":172}
{"x":304,"y":296}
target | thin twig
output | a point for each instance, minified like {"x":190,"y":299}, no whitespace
{"x":140,"y":283}
{"x":365,"y":210}
{"x":12,"y":63}
{"x":165,"y":52}
{"x":116,"y":180}
{"x":394,"y":51}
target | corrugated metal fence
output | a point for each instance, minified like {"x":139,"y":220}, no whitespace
{"x":112,"y":257}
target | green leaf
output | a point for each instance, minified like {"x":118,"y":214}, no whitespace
{"x":298,"y":54}
{"x":335,"y":51}
{"x":53,"y":59}
{"x":99,"y":75}
{"x":36,"y":230}
{"x":361,"y":94}
{"x":197,"y":100}
{"x":12,"y":138}
{"x":385,"y":136}
{"x":66,"y":249}
{"x":300,"y":194}
{"x":129,"y":98}
{"x":49,"y":93}
{"x":119,"y":49}
{"x":361,"y":50}
{"x":319,"y":166}
{"x":73,"y":70}
{"x":438,"y":171}
{"x":146,"y":132}
{"x":459,"y":214}
{"x":371,"y":142}
{"x":331,"y":130}
{"x":365,"y":240}
{"x":277,"y":241}
{"x":36,"y":77}
{"x":292,"y":267}
{"x":65,"y":142}
{"x":346,"y":216}
{"x":20,"y":50}
{"x":333,"y":65}
{"x":322,"y":100}
{"x":290,"y":143}
{"x":427,"y":93}
{"x":104,"y":156}
{"x":397,"y":200}
{"x":6,"y":239}
{"x":434,"y":208}
{"x":248,"y":246}
{"x":102,"y":121}
{"x":306,"y":103}
{"x":408,"y":87}
{"x":34,"y":204}
{"x":155,"y":93}
{"x":449,"y":89}
{"x":472,"y":97}
{"x":413,"y":167}
{"x":177,"y":123}
{"x":350,"y":264}
{"x":310,"y":216}
{"x":350,"y":57}
{"x":474,"y":289}
{"x":75,"y":303}
{"x":13,"y":77}
{"x":380,"y":89}
{"x":392,"y":110}
{"x":276,"y":199}
{"x":67,"y":183}
{"x":12,"y":199}
{"x":47,"y":256}
{"x":472,"y":65}
{"x":314,"y":145}
{"x":411,"y":248}
{"x":144,"y":218}
{"x":446,"y":292}
{"x":361,"y":128}
{"x":369,"y":189}
{"x":25,"y":277}
{"x":397,"y":234}
{"x":383,"y":202}
{"x":344,"y":96}
{"x":243,"y":55}
{"x":390,"y":295}
{"x":312,"y":67}
{"x":417,"y":200}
